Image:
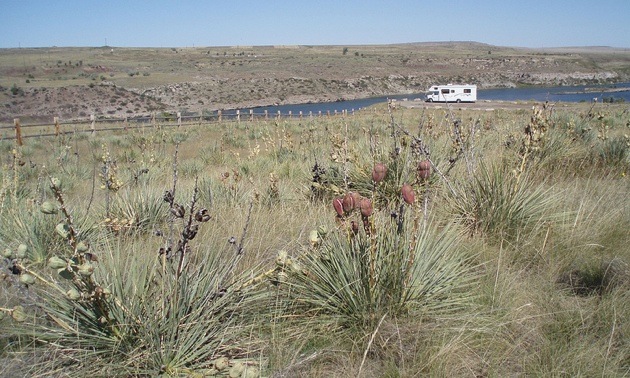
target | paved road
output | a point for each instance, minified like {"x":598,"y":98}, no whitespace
{"x":483,"y":105}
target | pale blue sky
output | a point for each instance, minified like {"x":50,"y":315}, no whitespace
{"x":182,"y":23}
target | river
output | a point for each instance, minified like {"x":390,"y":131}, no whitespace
{"x":583,"y":93}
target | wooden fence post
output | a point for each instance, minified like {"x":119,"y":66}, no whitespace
{"x":125,"y":125}
{"x":266,"y":114}
{"x":220,"y":115}
{"x":56,"y":121}
{"x":300,"y":114}
{"x":251,"y":114}
{"x":290,"y":114}
{"x":18,"y":131}
{"x":279,"y":114}
{"x":93,"y":125}
{"x":238,"y":115}
{"x":179,"y":119}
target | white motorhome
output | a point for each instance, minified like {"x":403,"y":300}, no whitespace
{"x":452,"y":93}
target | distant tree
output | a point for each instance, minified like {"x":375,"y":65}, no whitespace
{"x":356,"y":53}
{"x":345,"y":50}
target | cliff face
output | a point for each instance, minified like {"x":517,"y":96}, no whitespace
{"x":77,"y":82}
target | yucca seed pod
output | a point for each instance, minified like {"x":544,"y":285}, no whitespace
{"x":18,"y":314}
{"x":48,"y":208}
{"x":236,"y":370}
{"x":82,"y":246}
{"x":424,"y":169}
{"x":322,"y":231}
{"x":22,"y":251}
{"x":168,"y":196}
{"x":55,"y":183}
{"x":281,"y":258}
{"x":63,"y":230}
{"x":7,"y":253}
{"x":73,"y":294}
{"x":86,"y":269}
{"x":349,"y":202}
{"x":366,"y":207}
{"x":27,"y":279}
{"x":178,"y":210}
{"x":295,"y":267}
{"x":379,"y":172}
{"x":313,"y":238}
{"x":221,"y":363}
{"x":202,"y":215}
{"x":55,"y":262}
{"x":354,"y":227}
{"x":250,"y":372}
{"x":407,"y":193}
{"x":338,"y":205}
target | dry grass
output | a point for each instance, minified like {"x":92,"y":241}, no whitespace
{"x":550,"y":302}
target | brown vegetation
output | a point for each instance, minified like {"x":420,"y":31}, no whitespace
{"x":68,"y":82}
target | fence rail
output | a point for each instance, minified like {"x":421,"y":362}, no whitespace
{"x":94,"y":124}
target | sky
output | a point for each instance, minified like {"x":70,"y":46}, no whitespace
{"x":183,"y":23}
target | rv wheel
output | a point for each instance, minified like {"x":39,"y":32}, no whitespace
{"x":458,"y":101}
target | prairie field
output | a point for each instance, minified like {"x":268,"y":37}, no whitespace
{"x":395,"y":242}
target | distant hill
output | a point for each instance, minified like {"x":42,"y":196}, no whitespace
{"x":113,"y":81}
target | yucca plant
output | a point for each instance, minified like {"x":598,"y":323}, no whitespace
{"x":496,"y":203}
{"x":352,"y":281}
{"x":615,"y":152}
{"x":132,"y":308}
{"x":137,"y":209}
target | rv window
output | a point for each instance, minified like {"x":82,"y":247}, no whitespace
{"x":452,"y":90}
{"x":445,"y":90}
{"x":467,"y":90}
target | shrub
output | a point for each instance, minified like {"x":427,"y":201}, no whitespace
{"x":352,"y":281}
{"x":136,"y":309}
{"x":496,"y":203}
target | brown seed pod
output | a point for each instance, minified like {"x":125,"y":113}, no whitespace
{"x":202,"y":215}
{"x":424,"y":169}
{"x":338,"y":205}
{"x":356,"y":197}
{"x":349,"y":202}
{"x":408,"y":195}
{"x":366,"y":207}
{"x":178,"y":210}
{"x":354,"y":227}
{"x":379,"y":172}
